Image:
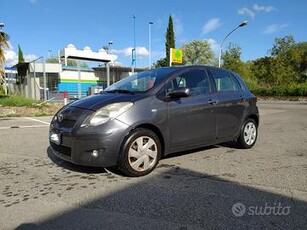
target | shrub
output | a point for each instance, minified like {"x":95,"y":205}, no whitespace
{"x":19,"y":101}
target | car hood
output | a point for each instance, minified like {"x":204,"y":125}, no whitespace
{"x":98,"y":101}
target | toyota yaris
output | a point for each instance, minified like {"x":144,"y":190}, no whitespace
{"x":138,"y":120}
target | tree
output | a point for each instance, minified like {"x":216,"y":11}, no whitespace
{"x":197,"y":52}
{"x":3,"y":44}
{"x":170,"y":39}
{"x":232,"y":58}
{"x":290,"y":60}
{"x":282,"y":45}
{"x":70,"y":62}
{"x":232,"y":61}
{"x":169,"y":43}
{"x":20,"y":55}
{"x":265,"y":70}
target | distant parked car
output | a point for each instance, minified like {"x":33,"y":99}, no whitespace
{"x":141,"y":118}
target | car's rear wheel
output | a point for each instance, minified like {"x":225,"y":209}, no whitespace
{"x":248,"y":134}
{"x":140,"y":153}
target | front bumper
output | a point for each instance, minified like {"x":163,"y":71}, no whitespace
{"x":89,"y":146}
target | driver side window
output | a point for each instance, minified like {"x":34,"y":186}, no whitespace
{"x":196,"y":80}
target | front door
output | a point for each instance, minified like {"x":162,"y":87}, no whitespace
{"x":191,"y":120}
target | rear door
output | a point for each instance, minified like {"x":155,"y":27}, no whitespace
{"x":231,"y":103}
{"x":191,"y":120}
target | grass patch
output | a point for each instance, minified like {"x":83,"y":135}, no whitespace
{"x":20,"y":101}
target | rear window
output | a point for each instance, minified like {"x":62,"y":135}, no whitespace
{"x":224,"y":81}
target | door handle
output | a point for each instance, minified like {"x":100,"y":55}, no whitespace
{"x":242,"y":98}
{"x":212,"y":101}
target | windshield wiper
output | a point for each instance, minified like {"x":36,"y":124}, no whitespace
{"x":119,"y":91}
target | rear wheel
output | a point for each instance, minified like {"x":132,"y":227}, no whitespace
{"x":248,"y":134}
{"x":140,"y":153}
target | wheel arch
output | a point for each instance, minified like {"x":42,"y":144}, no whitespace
{"x":157,"y":131}
{"x":254,"y":117}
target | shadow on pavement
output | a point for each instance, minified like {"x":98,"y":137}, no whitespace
{"x":177,"y":198}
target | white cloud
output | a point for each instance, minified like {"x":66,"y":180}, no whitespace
{"x":142,"y":51}
{"x":211,"y":25}
{"x":33,"y":1}
{"x":178,"y":27}
{"x":30,"y":57}
{"x":274,"y":28}
{"x":11,"y":57}
{"x":215,"y":46}
{"x":246,"y":11}
{"x":267,"y":9}
{"x":127,"y":52}
{"x":256,"y":8}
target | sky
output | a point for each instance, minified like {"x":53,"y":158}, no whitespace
{"x":43,"y":27}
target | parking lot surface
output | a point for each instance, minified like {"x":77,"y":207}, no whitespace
{"x":218,"y":187}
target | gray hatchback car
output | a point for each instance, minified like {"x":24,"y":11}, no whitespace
{"x":146,"y":116}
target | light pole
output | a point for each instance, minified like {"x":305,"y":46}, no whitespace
{"x":109,"y":52}
{"x":109,"y":46}
{"x":149,"y":44}
{"x":133,"y":51}
{"x":244,"y":23}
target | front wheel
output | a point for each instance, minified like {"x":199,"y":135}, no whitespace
{"x":248,"y":134}
{"x":140,"y":153}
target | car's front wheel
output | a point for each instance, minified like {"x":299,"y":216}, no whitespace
{"x":248,"y":134}
{"x":140,"y":153}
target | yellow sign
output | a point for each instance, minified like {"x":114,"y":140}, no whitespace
{"x":176,"y":56}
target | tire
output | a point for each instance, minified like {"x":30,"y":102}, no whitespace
{"x":140,"y":153}
{"x":248,"y":134}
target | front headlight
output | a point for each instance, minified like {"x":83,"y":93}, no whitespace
{"x":107,"y":113}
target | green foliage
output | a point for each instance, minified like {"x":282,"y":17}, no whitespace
{"x":161,"y":63}
{"x":287,"y":65}
{"x":232,"y":60}
{"x":170,"y":39}
{"x":70,"y":62}
{"x":283,"y":73}
{"x":20,"y":55}
{"x":197,"y":52}
{"x":169,"y":43}
{"x":3,"y":44}
{"x":282,"y":45}
{"x":19,"y":101}
{"x":281,"y":90}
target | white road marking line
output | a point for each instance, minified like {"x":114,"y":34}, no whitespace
{"x":33,"y":119}
{"x":23,"y":126}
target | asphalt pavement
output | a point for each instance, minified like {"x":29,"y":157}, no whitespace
{"x":217,"y":187}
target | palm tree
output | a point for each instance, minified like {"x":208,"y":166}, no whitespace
{"x":3,"y":44}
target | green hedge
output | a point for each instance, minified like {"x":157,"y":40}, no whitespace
{"x":291,"y":90}
{"x":19,"y":101}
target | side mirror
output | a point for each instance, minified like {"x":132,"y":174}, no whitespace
{"x":179,"y":93}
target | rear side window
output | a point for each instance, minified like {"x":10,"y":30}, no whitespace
{"x":224,"y":81}
{"x":196,"y":80}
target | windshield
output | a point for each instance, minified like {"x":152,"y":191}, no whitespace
{"x":140,"y":82}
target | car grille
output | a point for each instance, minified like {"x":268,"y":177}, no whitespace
{"x":67,"y":123}
{"x":68,"y":117}
{"x":61,"y":149}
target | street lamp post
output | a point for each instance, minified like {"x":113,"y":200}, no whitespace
{"x":244,"y":23}
{"x":149,"y":44}
{"x":109,"y":46}
{"x":133,"y":51}
{"x":109,"y":52}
